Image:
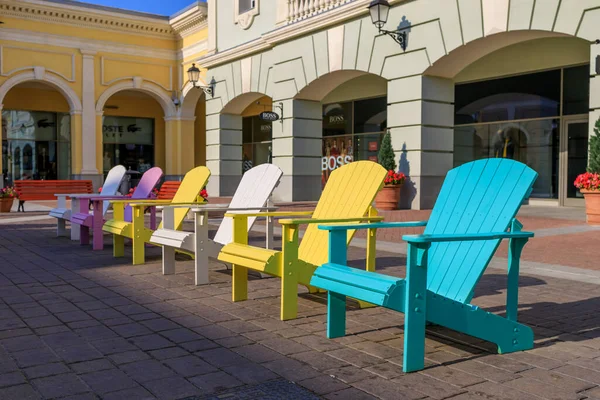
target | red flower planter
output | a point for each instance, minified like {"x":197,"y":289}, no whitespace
{"x":6,"y":204}
{"x":592,"y":206}
{"x":388,"y":197}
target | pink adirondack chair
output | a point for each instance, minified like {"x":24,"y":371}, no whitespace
{"x":95,"y":220}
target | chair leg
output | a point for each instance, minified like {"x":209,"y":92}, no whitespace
{"x":118,"y":246}
{"x":415,"y":314}
{"x":60,"y":227}
{"x":336,"y":315}
{"x":97,"y":239}
{"x":139,"y":252}
{"x":240,"y":283}
{"x":289,"y":295}
{"x":84,"y":235}
{"x":168,"y":260}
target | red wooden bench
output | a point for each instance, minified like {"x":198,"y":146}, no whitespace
{"x":167,"y":190}
{"x":46,"y":190}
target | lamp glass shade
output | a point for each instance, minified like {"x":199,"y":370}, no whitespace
{"x":379,"y":10}
{"x":193,"y":74}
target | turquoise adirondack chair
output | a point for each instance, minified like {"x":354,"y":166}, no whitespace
{"x":476,"y":206}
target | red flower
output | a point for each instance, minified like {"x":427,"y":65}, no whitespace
{"x":588,"y":181}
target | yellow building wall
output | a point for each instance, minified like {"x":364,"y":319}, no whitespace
{"x":32,"y":99}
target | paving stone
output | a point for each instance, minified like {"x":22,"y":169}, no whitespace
{"x":199,"y":345}
{"x":109,"y":380}
{"x":173,"y":388}
{"x":129,"y":356}
{"x":96,"y":333}
{"x":21,"y":343}
{"x":62,"y":339}
{"x":189,"y":366}
{"x":485,"y":371}
{"x":30,"y":358}
{"x":317,"y":343}
{"x":542,"y":389}
{"x":11,"y":379}
{"x":138,"y":393}
{"x":250,"y":373}
{"x":160,"y":324}
{"x":323,"y":384}
{"x":350,"y":393}
{"x":573,"y":385}
{"x":429,"y":386}
{"x":285,"y":346}
{"x":377,"y":349}
{"x":169,"y":353}
{"x":452,"y":376}
{"x":72,"y":316}
{"x":291,"y":369}
{"x":354,"y":357}
{"x":21,"y":392}
{"x":318,"y":360}
{"x":385,"y":389}
{"x":91,"y":366}
{"x":78,"y":353}
{"x":385,"y":370}
{"x":490,"y":390}
{"x":151,"y":342}
{"x":235,"y":341}
{"x":44,"y":370}
{"x":60,"y":385}
{"x":215,"y":382}
{"x":42,"y":322}
{"x":83,"y":324}
{"x":585,"y":374}
{"x":111,"y":346}
{"x":221,"y":357}
{"x":146,"y":370}
{"x":130,"y":330}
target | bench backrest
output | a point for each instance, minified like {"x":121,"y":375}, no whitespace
{"x":254,"y":190}
{"x":144,"y":188}
{"x":349,"y":192}
{"x":46,"y":190}
{"x":477,"y":197}
{"x":111,"y":184}
{"x":168,"y":189}
{"x":188,"y":191}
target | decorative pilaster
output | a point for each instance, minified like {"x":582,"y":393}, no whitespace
{"x":1,"y":159}
{"x":89,"y":139}
{"x":76,"y":142}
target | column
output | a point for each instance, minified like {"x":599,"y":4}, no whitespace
{"x":76,"y":144}
{"x":89,"y":155}
{"x":297,"y":144}
{"x":223,"y":149}
{"x":1,"y":155}
{"x":420,"y":120}
{"x":187,"y":142}
{"x":99,"y":142}
{"x":179,"y":147}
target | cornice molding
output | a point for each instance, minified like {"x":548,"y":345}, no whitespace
{"x":192,"y":50}
{"x":291,"y":31}
{"x":190,"y":22}
{"x":86,"y":18}
{"x":19,"y":35}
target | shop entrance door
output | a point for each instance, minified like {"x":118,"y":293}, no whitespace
{"x":573,"y":158}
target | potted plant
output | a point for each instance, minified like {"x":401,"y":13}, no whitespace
{"x":589,"y":182}
{"x":389,"y":196}
{"x":7,"y":197}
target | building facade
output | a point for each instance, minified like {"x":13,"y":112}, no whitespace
{"x":491,"y":78}
{"x":83,"y":88}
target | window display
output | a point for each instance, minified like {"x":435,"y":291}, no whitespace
{"x":35,"y":145}
{"x":352,"y":131}
{"x":257,"y":138}
{"x":128,"y":141}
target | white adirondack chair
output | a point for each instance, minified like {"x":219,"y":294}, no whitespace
{"x":62,"y":213}
{"x":252,"y":195}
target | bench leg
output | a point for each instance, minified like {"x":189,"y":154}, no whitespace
{"x":60,"y":227}
{"x":168,"y":260}
{"x":118,"y":246}
{"x":336,"y":315}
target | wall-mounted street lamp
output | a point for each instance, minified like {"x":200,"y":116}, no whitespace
{"x":194,"y":77}
{"x":380,"y":9}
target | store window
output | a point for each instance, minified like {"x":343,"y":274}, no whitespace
{"x":520,"y":118}
{"x":257,"y":137}
{"x":36,"y":145}
{"x":352,"y":131}
{"x":128,"y":141}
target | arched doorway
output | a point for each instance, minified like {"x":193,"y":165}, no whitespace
{"x":36,"y":131}
{"x":523,"y":95}
{"x":193,"y":117}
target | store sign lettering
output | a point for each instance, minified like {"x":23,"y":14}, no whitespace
{"x":331,"y":163}
{"x":268,"y":116}
{"x":336,"y":119}
{"x":120,"y":129}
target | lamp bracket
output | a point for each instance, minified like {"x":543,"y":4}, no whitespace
{"x":280,"y":108}
{"x":208,"y":90}
{"x":398,"y":35}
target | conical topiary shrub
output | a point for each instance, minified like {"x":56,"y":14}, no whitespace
{"x":386,"y":155}
{"x":388,"y":197}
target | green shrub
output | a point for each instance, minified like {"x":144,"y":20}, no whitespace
{"x":386,"y":153}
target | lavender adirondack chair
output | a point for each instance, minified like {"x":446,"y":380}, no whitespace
{"x":95,"y":220}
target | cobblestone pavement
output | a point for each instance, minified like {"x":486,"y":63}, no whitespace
{"x":78,"y":324}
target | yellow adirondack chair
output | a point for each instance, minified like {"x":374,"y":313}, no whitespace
{"x":121,"y":228}
{"x":347,"y":197}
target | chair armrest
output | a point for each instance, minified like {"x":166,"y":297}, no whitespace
{"x":142,"y":202}
{"x":227,"y":208}
{"x":300,"y":221}
{"x":270,"y":214}
{"x":466,"y":237}
{"x":380,"y":225}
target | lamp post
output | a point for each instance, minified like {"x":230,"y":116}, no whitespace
{"x":194,"y":77}
{"x":380,"y":10}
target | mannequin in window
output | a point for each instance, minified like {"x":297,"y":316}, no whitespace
{"x":504,"y":146}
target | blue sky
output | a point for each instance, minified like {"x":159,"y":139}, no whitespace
{"x":160,"y":7}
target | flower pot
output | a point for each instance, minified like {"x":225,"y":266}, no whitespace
{"x":388,"y":197}
{"x":592,"y":206}
{"x":6,"y":204}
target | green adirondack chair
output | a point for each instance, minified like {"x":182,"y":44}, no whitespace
{"x":476,"y":207}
